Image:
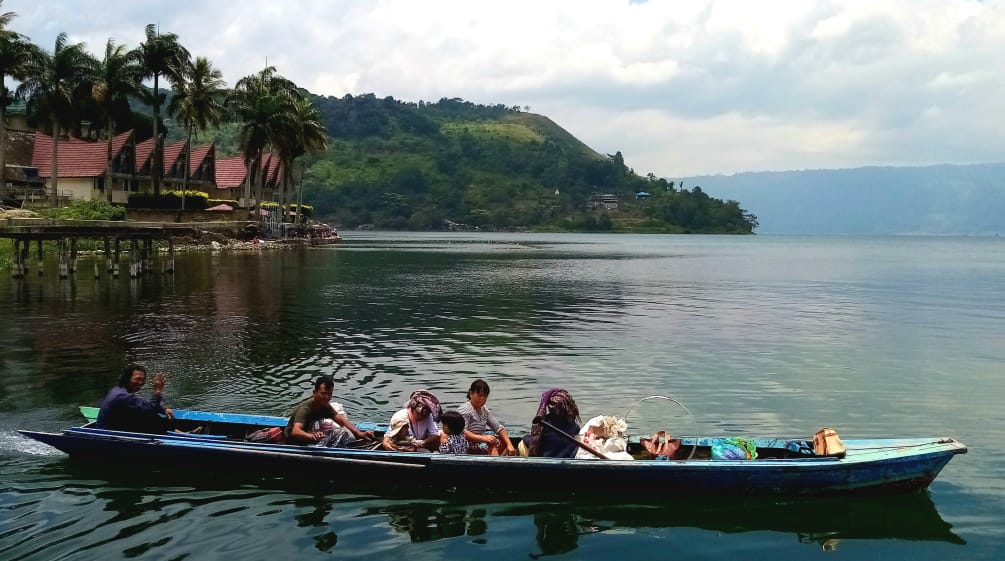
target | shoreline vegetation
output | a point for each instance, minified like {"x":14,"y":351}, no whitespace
{"x":358,"y":160}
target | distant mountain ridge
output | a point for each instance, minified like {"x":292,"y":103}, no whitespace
{"x":930,"y":200}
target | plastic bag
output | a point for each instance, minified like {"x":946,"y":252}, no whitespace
{"x":736,"y":448}
{"x":605,"y":434}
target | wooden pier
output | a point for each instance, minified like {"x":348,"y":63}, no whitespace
{"x":139,"y":235}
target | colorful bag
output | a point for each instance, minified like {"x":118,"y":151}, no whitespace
{"x":733,"y":449}
{"x":661,"y":446}
{"x":273,"y":435}
{"x":827,"y":443}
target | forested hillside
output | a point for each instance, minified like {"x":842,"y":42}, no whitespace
{"x":422,"y":166}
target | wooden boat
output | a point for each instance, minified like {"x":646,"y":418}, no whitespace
{"x":785,"y":466}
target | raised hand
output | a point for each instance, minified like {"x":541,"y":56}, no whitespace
{"x":159,"y":380}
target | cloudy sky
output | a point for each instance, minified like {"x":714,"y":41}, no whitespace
{"x":681,"y":88}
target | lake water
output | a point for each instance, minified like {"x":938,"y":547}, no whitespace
{"x":755,"y":335}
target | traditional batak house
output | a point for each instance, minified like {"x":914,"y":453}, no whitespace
{"x":231,"y":175}
{"x":21,"y":181}
{"x":202,"y":168}
{"x":84,"y":173}
{"x":82,"y":166}
{"x":233,"y":182}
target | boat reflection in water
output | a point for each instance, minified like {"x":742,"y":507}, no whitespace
{"x":823,"y":522}
{"x":140,"y":498}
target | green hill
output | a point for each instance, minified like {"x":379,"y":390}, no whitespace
{"x":453,"y":163}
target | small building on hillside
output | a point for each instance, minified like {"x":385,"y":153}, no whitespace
{"x":606,"y":201}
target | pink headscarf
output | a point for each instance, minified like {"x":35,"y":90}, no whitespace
{"x":554,"y":403}
{"x":421,"y":401}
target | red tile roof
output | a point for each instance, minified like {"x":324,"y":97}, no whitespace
{"x":77,"y":158}
{"x":273,"y":167}
{"x":143,"y":151}
{"x":82,"y":158}
{"x":230,"y":173}
{"x":198,"y":154}
{"x":119,"y":141}
{"x":171,"y":154}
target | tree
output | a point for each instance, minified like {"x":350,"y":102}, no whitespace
{"x":198,"y":102}
{"x":52,"y":84}
{"x":119,"y":76}
{"x":17,"y":57}
{"x":262,"y":103}
{"x":308,"y":135}
{"x":162,"y":55}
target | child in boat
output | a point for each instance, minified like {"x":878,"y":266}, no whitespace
{"x":478,"y":420}
{"x":452,"y":439}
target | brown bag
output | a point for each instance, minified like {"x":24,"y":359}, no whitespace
{"x":661,"y":446}
{"x":827,"y":443}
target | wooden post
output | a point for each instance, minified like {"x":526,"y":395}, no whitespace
{"x":108,"y":254}
{"x":147,"y":262}
{"x":97,"y":275}
{"x":40,"y":263}
{"x":63,"y":269}
{"x":115,"y":266}
{"x":25,"y":257}
{"x":170,"y":265}
{"x":15,"y":267}
{"x":134,"y":259}
{"x":73,"y":255}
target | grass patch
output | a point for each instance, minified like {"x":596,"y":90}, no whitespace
{"x":517,"y":132}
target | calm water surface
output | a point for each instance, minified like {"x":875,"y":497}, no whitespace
{"x":755,"y":335}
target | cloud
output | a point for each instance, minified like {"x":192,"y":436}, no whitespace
{"x":748,"y":85}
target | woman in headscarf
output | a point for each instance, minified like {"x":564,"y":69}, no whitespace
{"x":413,"y":429}
{"x":558,"y":409}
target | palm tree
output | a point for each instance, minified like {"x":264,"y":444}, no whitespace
{"x":52,"y":84}
{"x":198,"y":102}
{"x":119,"y":77}
{"x":162,"y":55}
{"x":308,"y":135}
{"x":262,"y":102}
{"x":17,"y":57}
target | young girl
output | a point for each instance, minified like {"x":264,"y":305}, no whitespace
{"x":479,"y":420}
{"x":452,"y":440}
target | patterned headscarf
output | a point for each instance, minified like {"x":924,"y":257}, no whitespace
{"x":554,"y":403}
{"x":424,"y":402}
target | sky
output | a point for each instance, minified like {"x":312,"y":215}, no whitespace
{"x":681,"y":88}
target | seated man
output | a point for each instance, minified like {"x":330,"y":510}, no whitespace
{"x":306,"y":424}
{"x":123,"y":410}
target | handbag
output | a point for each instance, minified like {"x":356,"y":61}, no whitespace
{"x":661,"y":446}
{"x":826,"y":442}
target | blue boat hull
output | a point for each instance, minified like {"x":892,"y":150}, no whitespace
{"x":871,"y":466}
